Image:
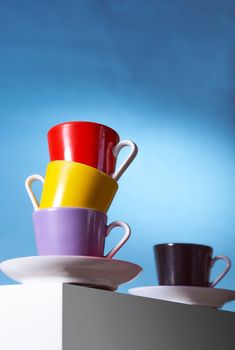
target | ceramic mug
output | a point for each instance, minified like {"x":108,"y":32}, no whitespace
{"x":187,"y":264}
{"x":71,"y":184}
{"x":90,"y":143}
{"x":75,"y":231}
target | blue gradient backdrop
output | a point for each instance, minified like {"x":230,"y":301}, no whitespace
{"x":159,"y":72}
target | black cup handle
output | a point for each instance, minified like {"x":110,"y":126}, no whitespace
{"x":227,"y":268}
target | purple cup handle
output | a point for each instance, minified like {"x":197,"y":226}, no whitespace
{"x":127,"y":233}
{"x":28,"y":185}
{"x":227,"y":268}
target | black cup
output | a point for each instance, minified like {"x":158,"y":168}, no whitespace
{"x":185,"y":264}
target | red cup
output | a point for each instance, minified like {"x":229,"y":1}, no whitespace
{"x":90,"y":143}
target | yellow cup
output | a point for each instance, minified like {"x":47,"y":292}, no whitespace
{"x":72,"y":184}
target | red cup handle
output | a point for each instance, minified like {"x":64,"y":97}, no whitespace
{"x":127,"y":233}
{"x":134,"y":150}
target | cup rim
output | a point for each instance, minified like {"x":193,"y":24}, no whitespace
{"x":91,"y":210}
{"x":81,"y":122}
{"x":171,"y":244}
{"x":85,"y":166}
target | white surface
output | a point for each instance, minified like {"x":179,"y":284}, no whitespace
{"x":102,"y":320}
{"x":211,"y":297}
{"x":70,"y":317}
{"x":99,"y":272}
{"x":31,"y":317}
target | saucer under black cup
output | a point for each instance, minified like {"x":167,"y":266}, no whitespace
{"x":187,"y":264}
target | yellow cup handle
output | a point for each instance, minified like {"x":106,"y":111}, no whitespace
{"x":28,"y":185}
{"x":133,"y":153}
{"x":127,"y":233}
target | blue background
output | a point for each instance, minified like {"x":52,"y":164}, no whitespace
{"x":159,"y":72}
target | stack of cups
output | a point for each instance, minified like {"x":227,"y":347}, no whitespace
{"x":79,"y":186}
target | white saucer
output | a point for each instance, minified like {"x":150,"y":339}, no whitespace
{"x":210,"y":297}
{"x":90,"y":271}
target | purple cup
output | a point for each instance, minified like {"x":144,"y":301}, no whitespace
{"x":74,"y":231}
